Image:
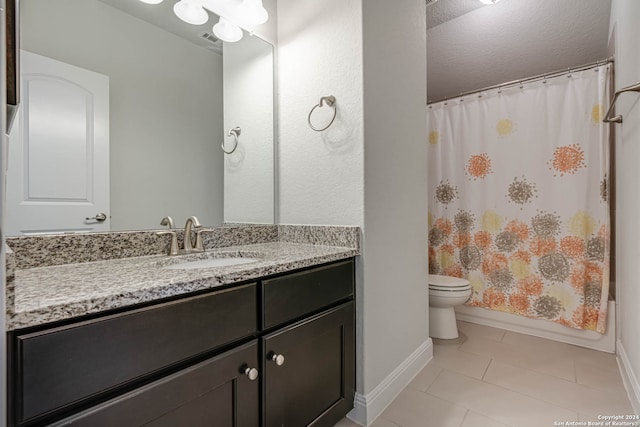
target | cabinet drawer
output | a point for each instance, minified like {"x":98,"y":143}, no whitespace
{"x":214,"y":392}
{"x":63,"y":366}
{"x":292,"y":296}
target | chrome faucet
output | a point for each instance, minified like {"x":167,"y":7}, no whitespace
{"x":188,"y":246}
{"x":192,"y":222}
{"x":173,"y":248}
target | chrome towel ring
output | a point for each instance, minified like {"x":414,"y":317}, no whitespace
{"x":235,"y":133}
{"x":330,"y":101}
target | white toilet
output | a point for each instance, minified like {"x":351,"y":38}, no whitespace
{"x":445,"y":292}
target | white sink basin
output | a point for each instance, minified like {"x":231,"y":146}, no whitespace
{"x":209,"y":260}
{"x":210,"y":263}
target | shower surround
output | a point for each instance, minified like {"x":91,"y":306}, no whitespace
{"x":518,"y":203}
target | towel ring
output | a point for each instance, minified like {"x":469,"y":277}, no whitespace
{"x":235,"y":133}
{"x":330,"y":101}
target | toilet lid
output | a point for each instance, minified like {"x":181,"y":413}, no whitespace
{"x":437,"y":281}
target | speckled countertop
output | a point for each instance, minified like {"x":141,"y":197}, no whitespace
{"x":46,"y":294}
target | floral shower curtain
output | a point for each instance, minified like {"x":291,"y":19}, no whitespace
{"x":518,"y":199}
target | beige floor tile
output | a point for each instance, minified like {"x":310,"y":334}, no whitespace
{"x":547,"y":388}
{"x":481,"y":331}
{"x":558,"y":364}
{"x":381,"y":422}
{"x":416,"y":409}
{"x":586,"y":417}
{"x":469,"y":364}
{"x":599,"y":377}
{"x":423,"y":380}
{"x":476,"y":420}
{"x":497,"y":403}
{"x":346,"y":422}
{"x":595,"y":358}
{"x":536,"y":343}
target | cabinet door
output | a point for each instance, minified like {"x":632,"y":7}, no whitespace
{"x":216,"y":392}
{"x":309,"y":370}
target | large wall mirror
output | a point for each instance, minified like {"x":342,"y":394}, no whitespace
{"x":121,"y":101}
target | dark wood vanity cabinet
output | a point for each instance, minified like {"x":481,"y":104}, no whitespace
{"x":312,"y":358}
{"x":210,"y":359}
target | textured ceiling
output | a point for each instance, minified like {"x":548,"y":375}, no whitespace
{"x":511,"y":40}
{"x":442,"y":11}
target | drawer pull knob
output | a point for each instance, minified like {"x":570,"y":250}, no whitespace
{"x":252,"y":373}
{"x":278,"y":358}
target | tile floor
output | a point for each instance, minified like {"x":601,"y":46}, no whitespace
{"x":499,"y":378}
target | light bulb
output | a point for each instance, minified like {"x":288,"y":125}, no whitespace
{"x":151,"y":1}
{"x":251,"y":12}
{"x":489,"y":1}
{"x":190,"y":12}
{"x":227,"y":31}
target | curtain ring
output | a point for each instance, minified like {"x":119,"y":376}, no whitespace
{"x":235,"y":133}
{"x":330,"y":101}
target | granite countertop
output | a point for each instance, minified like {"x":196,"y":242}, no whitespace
{"x":47,"y":294}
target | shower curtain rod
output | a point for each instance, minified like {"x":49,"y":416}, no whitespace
{"x":528,"y":79}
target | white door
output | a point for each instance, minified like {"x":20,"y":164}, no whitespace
{"x":58,"y":177}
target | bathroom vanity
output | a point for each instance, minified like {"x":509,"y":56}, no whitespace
{"x":266,"y":343}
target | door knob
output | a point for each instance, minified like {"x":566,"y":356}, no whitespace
{"x":252,"y":373}
{"x":99,"y":217}
{"x":278,"y":358}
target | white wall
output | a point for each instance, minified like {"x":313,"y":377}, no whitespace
{"x":249,"y":104}
{"x":165,"y":107}
{"x":368,"y":169}
{"x":320,"y":54}
{"x":625,"y":15}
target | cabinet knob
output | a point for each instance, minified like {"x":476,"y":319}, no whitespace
{"x":252,"y":373}
{"x":278,"y":358}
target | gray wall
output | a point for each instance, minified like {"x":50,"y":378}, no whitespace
{"x":624,"y":20}
{"x":165,"y":107}
{"x":395,"y":209}
{"x":249,"y":104}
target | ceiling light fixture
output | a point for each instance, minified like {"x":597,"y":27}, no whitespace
{"x":227,"y":31}
{"x":489,"y":1}
{"x":191,"y":12}
{"x":234,"y":15}
{"x":252,"y":12}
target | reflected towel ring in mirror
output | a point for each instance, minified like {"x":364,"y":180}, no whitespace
{"x":235,"y":133}
{"x":330,"y":101}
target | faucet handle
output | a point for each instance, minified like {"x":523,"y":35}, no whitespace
{"x":167,"y":220}
{"x":173,"y":248}
{"x":199,"y":231}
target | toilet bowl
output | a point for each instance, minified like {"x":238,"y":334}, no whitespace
{"x":445,"y":293}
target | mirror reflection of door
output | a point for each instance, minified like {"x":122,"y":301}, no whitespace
{"x":58,"y":177}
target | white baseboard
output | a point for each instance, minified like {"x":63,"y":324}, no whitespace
{"x":368,"y":407}
{"x":629,"y":378}
{"x":544,"y":329}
